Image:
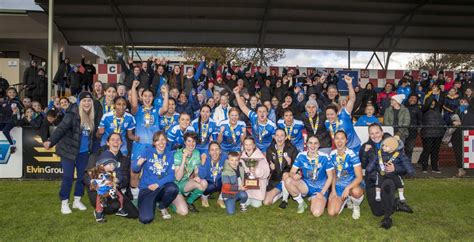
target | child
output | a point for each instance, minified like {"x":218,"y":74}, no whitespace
{"x":368,"y":118}
{"x":232,"y":184}
{"x":391,"y":152}
{"x":26,"y":120}
{"x":104,"y":181}
{"x":49,"y":124}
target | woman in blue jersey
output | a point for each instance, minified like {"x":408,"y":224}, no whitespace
{"x":211,"y":171}
{"x":317,"y":174}
{"x":170,"y":118}
{"x":108,"y":103}
{"x":341,"y":120}
{"x":293,"y":129}
{"x":176,"y":133}
{"x":157,"y":181}
{"x":232,"y":132}
{"x":118,"y":121}
{"x":206,"y":129}
{"x":347,"y":180}
{"x":263,"y":129}
{"x":147,"y":119}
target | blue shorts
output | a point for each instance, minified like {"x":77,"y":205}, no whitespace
{"x":279,"y":186}
{"x":138,"y":149}
{"x":340,"y":189}
{"x":312,"y":189}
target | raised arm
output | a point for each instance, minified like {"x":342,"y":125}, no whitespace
{"x":164,"y":94}
{"x":200,"y":68}
{"x":241,"y":102}
{"x":352,"y":95}
{"x":134,"y":97}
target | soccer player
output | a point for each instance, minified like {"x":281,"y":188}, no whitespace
{"x":317,"y":175}
{"x":206,"y":129}
{"x":293,"y":129}
{"x":232,"y":132}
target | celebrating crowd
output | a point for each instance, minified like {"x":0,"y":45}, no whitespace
{"x":168,"y":137}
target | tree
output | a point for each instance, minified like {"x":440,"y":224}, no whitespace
{"x":111,"y":52}
{"x":442,"y":62}
{"x":241,"y":56}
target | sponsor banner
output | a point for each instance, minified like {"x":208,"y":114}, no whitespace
{"x":37,"y":161}
{"x":341,"y":84}
{"x":11,"y":164}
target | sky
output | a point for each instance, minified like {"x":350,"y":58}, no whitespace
{"x":338,"y":59}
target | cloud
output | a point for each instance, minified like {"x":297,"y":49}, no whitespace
{"x":338,"y":59}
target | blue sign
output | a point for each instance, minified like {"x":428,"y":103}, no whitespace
{"x":341,"y":84}
{"x":4,"y":151}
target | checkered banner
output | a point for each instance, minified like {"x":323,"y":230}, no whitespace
{"x":469,"y":149}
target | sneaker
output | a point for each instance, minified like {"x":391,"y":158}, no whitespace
{"x":425,"y":171}
{"x":221,"y":203}
{"x":356,"y":212}
{"x":99,"y":217}
{"x":165,"y":214}
{"x":65,"y":209}
{"x":77,"y":204}
{"x":436,"y":171}
{"x":403,"y":207}
{"x":121,"y":212}
{"x":243,"y":207}
{"x":283,"y":205}
{"x":192,"y":208}
{"x":386,"y":223}
{"x":301,"y":207}
{"x":12,"y":149}
{"x":205,"y":202}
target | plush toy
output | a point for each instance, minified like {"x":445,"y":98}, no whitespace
{"x":103,"y":183}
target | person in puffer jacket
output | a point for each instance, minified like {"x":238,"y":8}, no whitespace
{"x":391,"y":152}
{"x":232,"y":184}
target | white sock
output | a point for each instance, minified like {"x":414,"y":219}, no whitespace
{"x":135,"y":192}
{"x":400,"y":195}
{"x":357,"y":201}
{"x":299,"y":199}
{"x":284,"y":192}
{"x":220,"y":196}
{"x":377,"y":195}
{"x":77,"y":199}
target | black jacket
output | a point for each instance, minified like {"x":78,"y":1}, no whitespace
{"x":322,"y":133}
{"x":272,"y":157}
{"x":67,"y":135}
{"x":432,"y":117}
{"x":416,"y":119}
{"x":29,"y":78}
{"x":75,"y":79}
{"x":89,"y":71}
{"x":40,"y":87}
{"x":6,"y":112}
{"x":366,"y":156}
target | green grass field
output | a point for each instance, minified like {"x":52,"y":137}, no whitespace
{"x":444,"y":210}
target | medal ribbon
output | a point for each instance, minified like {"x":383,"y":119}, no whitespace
{"x":314,"y":163}
{"x":381,"y":164}
{"x":314,"y":125}
{"x":118,"y":124}
{"x":340,"y":162}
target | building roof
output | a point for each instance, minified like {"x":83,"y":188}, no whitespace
{"x":382,"y":25}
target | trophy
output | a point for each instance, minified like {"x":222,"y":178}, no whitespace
{"x":250,"y":181}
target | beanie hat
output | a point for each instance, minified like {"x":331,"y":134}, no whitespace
{"x":391,"y":142}
{"x":399,"y":98}
{"x":219,"y":76}
{"x":311,"y":102}
{"x":106,"y":158}
{"x":83,"y":95}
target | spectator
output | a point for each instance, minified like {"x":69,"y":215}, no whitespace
{"x":10,"y":113}
{"x":384,"y":97}
{"x":60,"y":78}
{"x":40,"y":88}
{"x":89,"y":73}
{"x":3,"y":86}
{"x":75,"y":80}
{"x":368,"y":118}
{"x":398,"y":116}
{"x":29,"y":77}
{"x":416,"y":119}
{"x":431,"y":136}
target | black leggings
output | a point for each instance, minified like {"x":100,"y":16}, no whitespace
{"x":6,"y":129}
{"x":431,"y":147}
{"x":114,"y":205}
{"x":458,"y":147}
{"x":387,"y":206}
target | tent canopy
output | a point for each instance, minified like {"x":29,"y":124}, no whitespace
{"x":393,"y":26}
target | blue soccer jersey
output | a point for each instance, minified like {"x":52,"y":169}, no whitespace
{"x":262,"y":133}
{"x":212,"y":172}
{"x":294,"y":133}
{"x":231,"y":137}
{"x":112,"y":124}
{"x":176,"y":137}
{"x":344,"y":122}
{"x":314,"y":170}
{"x":148,"y":122}
{"x":206,"y":133}
{"x":157,"y":168}
{"x":344,"y":167}
{"x":168,"y":122}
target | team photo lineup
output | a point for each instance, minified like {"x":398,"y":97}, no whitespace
{"x":166,"y":137}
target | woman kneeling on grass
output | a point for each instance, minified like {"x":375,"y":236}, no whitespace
{"x":347,"y":181}
{"x":186,"y":163}
{"x":317,"y":177}
{"x":157,"y":181}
